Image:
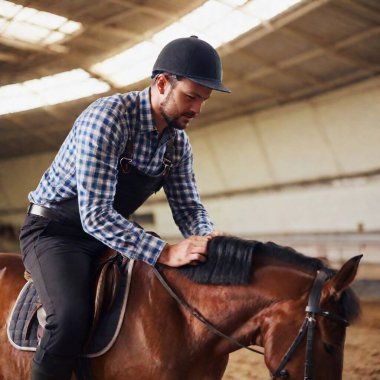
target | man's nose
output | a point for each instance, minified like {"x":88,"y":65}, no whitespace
{"x":196,"y":106}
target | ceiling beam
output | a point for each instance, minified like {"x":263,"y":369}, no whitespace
{"x":308,"y":78}
{"x":303,"y":57}
{"x":113,"y":31}
{"x":9,"y":57}
{"x":356,"y":9}
{"x":147,"y":9}
{"x":166,"y":14}
{"x":267,"y":90}
{"x":329,"y":48}
{"x":24,"y":45}
{"x":358,"y":37}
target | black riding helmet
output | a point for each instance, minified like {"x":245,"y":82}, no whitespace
{"x":194,"y":59}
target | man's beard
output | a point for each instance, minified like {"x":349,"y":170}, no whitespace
{"x":173,"y":121}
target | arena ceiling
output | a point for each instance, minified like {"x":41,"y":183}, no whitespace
{"x":315,"y":46}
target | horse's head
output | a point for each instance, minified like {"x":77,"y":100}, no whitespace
{"x":308,"y":343}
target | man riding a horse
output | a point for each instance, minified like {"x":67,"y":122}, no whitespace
{"x":121,"y":149}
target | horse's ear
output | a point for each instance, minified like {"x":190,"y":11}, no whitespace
{"x":344,"y":277}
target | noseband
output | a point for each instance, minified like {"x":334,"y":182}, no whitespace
{"x":312,"y":311}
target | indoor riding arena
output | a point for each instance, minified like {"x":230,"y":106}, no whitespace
{"x":290,"y":156}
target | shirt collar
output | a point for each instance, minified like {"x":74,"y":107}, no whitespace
{"x":146,"y":116}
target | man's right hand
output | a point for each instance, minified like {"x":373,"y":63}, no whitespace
{"x":189,"y":251}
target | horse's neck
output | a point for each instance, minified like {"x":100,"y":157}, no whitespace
{"x":271,"y":281}
{"x":157,"y":326}
{"x":238,"y":310}
{"x":279,"y":281}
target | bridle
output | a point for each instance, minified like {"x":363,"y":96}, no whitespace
{"x":312,"y":311}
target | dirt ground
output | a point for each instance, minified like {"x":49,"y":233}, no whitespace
{"x":362,"y":352}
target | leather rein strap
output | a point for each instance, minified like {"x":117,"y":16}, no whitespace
{"x":199,"y":316}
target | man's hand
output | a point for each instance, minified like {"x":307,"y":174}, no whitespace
{"x":214,"y":234}
{"x":189,"y":251}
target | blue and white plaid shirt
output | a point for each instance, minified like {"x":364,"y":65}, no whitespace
{"x":86,"y":166}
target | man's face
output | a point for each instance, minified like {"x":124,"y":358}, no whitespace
{"x":182,"y":102}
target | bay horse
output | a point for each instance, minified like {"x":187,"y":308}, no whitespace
{"x":252,"y":293}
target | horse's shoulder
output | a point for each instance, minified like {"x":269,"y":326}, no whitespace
{"x":9,"y":258}
{"x":11,"y":265}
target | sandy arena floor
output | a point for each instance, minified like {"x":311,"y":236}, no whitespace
{"x":362,"y":352}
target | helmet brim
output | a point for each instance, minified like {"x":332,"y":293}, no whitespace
{"x":217,"y":86}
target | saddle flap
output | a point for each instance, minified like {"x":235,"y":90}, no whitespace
{"x":113,"y":277}
{"x":106,"y":284}
{"x":29,"y":320}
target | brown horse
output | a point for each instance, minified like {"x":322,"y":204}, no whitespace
{"x":253,"y":292}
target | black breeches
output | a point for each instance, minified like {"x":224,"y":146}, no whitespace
{"x":61,"y":261}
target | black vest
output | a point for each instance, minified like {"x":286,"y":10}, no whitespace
{"x":133,"y":186}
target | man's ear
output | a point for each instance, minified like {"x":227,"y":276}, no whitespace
{"x":161,"y":83}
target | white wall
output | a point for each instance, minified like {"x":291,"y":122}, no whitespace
{"x":18,"y":176}
{"x":333,"y":135}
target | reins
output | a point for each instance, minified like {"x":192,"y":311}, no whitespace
{"x":199,"y":316}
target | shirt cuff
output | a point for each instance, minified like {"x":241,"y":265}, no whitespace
{"x":149,"y":249}
{"x":203,"y":229}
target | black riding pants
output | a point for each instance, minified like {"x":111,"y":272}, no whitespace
{"x":61,"y":260}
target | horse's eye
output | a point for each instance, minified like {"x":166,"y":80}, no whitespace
{"x":329,"y":348}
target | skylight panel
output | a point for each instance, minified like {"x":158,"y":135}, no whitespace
{"x":49,"y":20}
{"x":267,"y":9}
{"x":129,"y":65}
{"x":172,"y":32}
{"x":53,"y":89}
{"x":239,"y":23}
{"x":209,"y":13}
{"x":8,"y":9}
{"x":25,"y":14}
{"x":74,"y":90}
{"x":133,"y":74}
{"x":26,"y":32}
{"x":70,"y":27}
{"x":29,"y":25}
{"x":236,"y":24}
{"x":234,"y":3}
{"x":15,"y":98}
{"x":54,"y":37}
